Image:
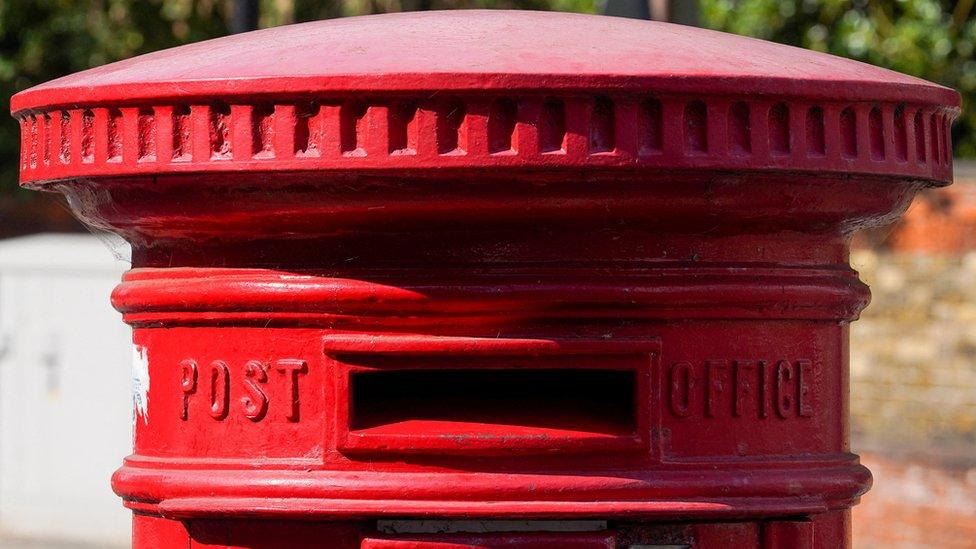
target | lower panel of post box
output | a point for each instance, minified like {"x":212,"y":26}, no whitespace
{"x":526,"y":540}
{"x":828,"y":530}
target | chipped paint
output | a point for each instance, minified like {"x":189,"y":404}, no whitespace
{"x":140,"y":384}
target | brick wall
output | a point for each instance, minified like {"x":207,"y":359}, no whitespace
{"x":915,"y":504}
{"x":913,"y":374}
{"x":913,"y":353}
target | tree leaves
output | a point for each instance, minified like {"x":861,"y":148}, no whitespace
{"x":931,"y":39}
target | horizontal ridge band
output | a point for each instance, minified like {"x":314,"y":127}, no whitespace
{"x":194,"y":295}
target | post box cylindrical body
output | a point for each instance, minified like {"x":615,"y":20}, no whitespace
{"x":488,"y":279}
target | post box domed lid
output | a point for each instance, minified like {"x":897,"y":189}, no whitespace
{"x":484,"y":90}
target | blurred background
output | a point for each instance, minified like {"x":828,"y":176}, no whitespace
{"x":63,"y":350}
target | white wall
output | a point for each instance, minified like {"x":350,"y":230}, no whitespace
{"x":65,"y":402}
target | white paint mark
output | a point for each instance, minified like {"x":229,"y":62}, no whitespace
{"x":140,"y":384}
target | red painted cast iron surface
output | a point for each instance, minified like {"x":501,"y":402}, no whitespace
{"x":488,"y":279}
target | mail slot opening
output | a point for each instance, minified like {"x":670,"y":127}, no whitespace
{"x":491,"y":401}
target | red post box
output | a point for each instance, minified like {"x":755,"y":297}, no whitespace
{"x":488,"y":279}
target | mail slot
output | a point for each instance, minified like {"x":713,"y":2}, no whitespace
{"x":479,"y":396}
{"x":488,"y":278}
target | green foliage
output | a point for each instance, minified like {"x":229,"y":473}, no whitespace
{"x":45,"y":39}
{"x":932,"y":39}
{"x":310,"y":10}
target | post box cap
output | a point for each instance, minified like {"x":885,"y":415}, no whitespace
{"x":484,"y":89}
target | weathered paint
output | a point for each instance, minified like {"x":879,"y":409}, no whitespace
{"x":140,"y":384}
{"x":490,"y":266}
